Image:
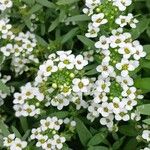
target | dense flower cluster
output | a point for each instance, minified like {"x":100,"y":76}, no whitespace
{"x":14,"y":143}
{"x":114,"y":93}
{"x":112,"y":16}
{"x":49,"y":136}
{"x":17,"y":45}
{"x":60,"y":80}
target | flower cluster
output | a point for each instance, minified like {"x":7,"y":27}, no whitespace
{"x":114,"y":93}
{"x":14,"y":143}
{"x":49,"y":136}
{"x":60,"y":80}
{"x":17,"y":45}
{"x":111,"y":16}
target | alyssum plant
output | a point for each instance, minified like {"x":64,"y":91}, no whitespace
{"x":65,"y":95}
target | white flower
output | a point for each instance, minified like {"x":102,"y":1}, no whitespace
{"x":103,"y":43}
{"x":122,"y":115}
{"x":105,"y":69}
{"x":146,"y":135}
{"x":92,"y":3}
{"x":139,"y":52}
{"x":80,"y":62}
{"x":121,"y":21}
{"x":48,"y":68}
{"x":108,"y":121}
{"x":6,"y":50}
{"x":103,"y":86}
{"x":66,"y":61}
{"x":129,"y":92}
{"x":129,"y":103}
{"x":125,"y":81}
{"x":9,"y":140}
{"x":100,"y":97}
{"x":92,"y":31}
{"x":18,"y":144}
{"x":126,"y":50}
{"x":116,"y":105}
{"x":80,"y":85}
{"x":98,"y":19}
{"x":88,"y":55}
{"x":125,"y":66}
{"x":104,"y":109}
{"x":41,"y":140}
{"x":18,"y":99}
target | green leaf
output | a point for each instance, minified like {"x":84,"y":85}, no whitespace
{"x":46,"y":3}
{"x":97,"y":139}
{"x":118,"y":143}
{"x":145,"y":63}
{"x":4,"y":88}
{"x":24,"y":123}
{"x":54,"y":24}
{"x":146,"y":48}
{"x":26,"y":135}
{"x":144,"y":109}
{"x":147,"y":121}
{"x":41,"y":41}
{"x":91,"y":72}
{"x":83,"y":132}
{"x":78,"y":18}
{"x":141,"y":27}
{"x":69,"y":35}
{"x":128,"y":130}
{"x":61,"y":114}
{"x":86,"y":41}
{"x":29,"y":2}
{"x":35,"y":8}
{"x":131,"y":144}
{"x":4,"y":129}
{"x":66,"y":2}
{"x":98,"y":148}
{"x":143,"y":83}
{"x":16,"y":132}
{"x":2,"y":58}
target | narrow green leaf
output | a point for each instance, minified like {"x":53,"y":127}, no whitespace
{"x":118,"y":143}
{"x":41,"y":41}
{"x":78,"y":18}
{"x":86,"y":41}
{"x":83,"y":132}
{"x":35,"y":8}
{"x":61,"y":114}
{"x":147,"y":121}
{"x":16,"y":132}
{"x":29,"y":2}
{"x":24,"y":123}
{"x":146,"y":48}
{"x":69,"y":35}
{"x":26,"y":135}
{"x":46,"y":3}
{"x":66,"y":2}
{"x":54,"y":24}
{"x":97,"y":139}
{"x":144,"y":109}
{"x":2,"y":58}
{"x":91,"y":72}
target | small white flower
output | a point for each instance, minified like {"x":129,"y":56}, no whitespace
{"x":98,"y":19}
{"x":146,"y":135}
{"x":80,"y":85}
{"x":80,"y":62}
{"x":103,"y":43}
